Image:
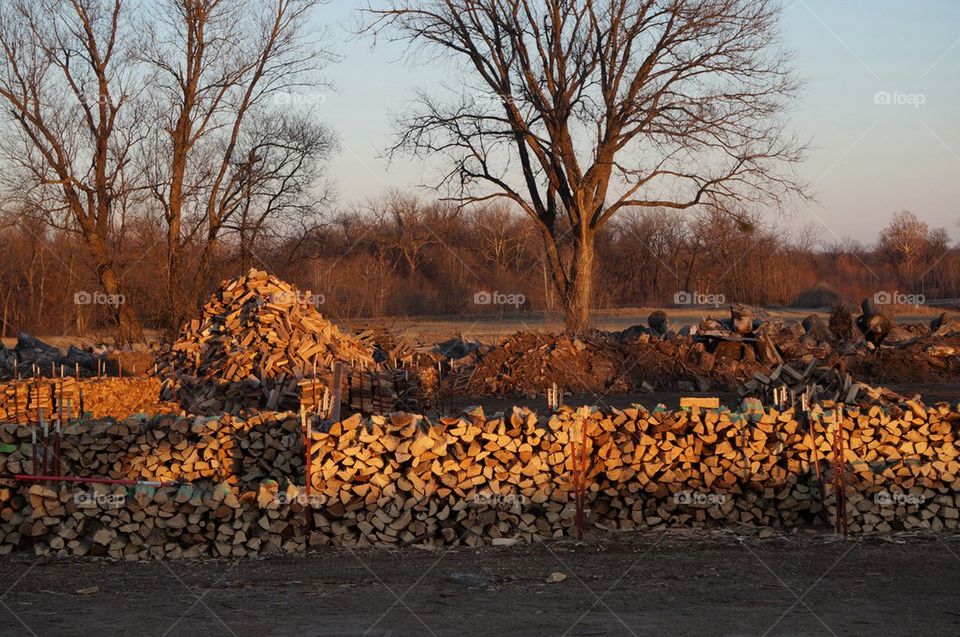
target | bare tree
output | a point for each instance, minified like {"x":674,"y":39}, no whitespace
{"x":904,"y":242}
{"x":404,"y":220}
{"x":278,"y":189}
{"x":217,"y":62}
{"x":69,"y":90}
{"x":580,"y":108}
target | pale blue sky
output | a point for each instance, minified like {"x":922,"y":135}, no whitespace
{"x":868,"y":160}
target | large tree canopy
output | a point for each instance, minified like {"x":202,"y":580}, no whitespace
{"x":577,"y":109}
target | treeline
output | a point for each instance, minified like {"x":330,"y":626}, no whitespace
{"x":406,"y":256}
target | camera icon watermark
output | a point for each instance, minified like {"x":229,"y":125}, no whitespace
{"x":98,"y":298}
{"x":499,"y":298}
{"x":696,"y":298}
{"x":898,"y":298}
{"x":896,"y":98}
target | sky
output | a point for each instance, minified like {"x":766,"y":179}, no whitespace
{"x":881,"y":109}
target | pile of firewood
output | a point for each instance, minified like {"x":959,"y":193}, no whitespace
{"x":25,"y":401}
{"x":819,"y":381}
{"x":367,"y":391}
{"x":32,"y":357}
{"x":236,"y":487}
{"x":167,"y":448}
{"x":257,"y":338}
{"x":31,"y":400}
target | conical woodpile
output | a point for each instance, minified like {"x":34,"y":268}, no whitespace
{"x":257,"y":338}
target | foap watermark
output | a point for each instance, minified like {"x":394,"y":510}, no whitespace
{"x":485,"y":97}
{"x":885,"y":498}
{"x":90,"y":499}
{"x":898,"y":298}
{"x":499,"y":500}
{"x":499,"y":298}
{"x":896,"y":98}
{"x":312,"y":501}
{"x":98,"y":298}
{"x":696,"y":298}
{"x":699,"y":498}
{"x":296,"y":298}
{"x":299,"y":99}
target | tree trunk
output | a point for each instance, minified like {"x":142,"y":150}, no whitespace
{"x":579,"y":294}
{"x":6,"y":311}
{"x":129,"y":329}
{"x":174,"y":277}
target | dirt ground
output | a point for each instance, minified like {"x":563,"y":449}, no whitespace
{"x":666,"y":583}
{"x":492,"y":327}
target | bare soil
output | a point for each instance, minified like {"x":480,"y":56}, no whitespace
{"x":666,"y":583}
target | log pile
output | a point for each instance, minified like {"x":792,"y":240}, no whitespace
{"x":123,"y":397}
{"x":169,"y":448}
{"x":22,"y":401}
{"x":256,"y":339}
{"x":32,"y":357}
{"x":366,"y":391}
{"x":402,"y":479}
{"x":820,"y":381}
{"x":27,"y":400}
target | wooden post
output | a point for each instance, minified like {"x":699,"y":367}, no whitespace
{"x":839,"y":473}
{"x":337,"y":391}
{"x":582,"y":493}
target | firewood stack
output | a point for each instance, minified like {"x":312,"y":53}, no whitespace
{"x":21,"y":401}
{"x":25,"y":400}
{"x":820,"y":380}
{"x":257,"y":338}
{"x":402,"y":479}
{"x":367,"y":391}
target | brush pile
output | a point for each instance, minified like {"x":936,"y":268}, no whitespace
{"x":528,"y":362}
{"x":749,"y":352}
